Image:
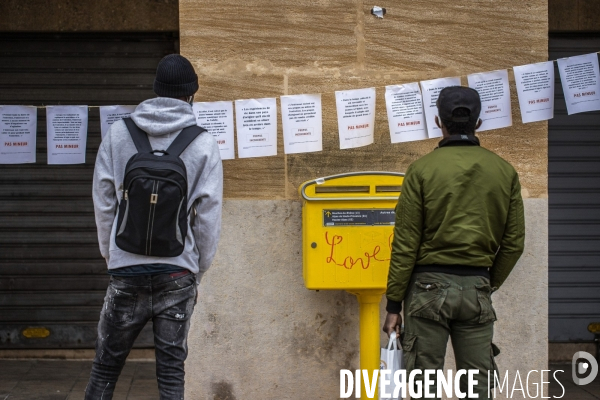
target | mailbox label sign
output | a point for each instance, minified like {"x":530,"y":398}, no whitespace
{"x":359,"y":217}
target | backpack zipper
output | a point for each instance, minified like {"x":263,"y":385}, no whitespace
{"x":162,"y":169}
{"x":154,"y":179}
{"x":151,"y":215}
{"x":178,"y":234}
{"x":124,"y":222}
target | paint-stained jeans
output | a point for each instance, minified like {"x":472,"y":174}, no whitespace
{"x":129,"y":304}
{"x":440,"y":305}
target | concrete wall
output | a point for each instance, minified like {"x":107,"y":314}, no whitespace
{"x":257,"y":333}
{"x":89,"y":15}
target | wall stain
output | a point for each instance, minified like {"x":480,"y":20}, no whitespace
{"x":325,"y":338}
{"x":222,"y":390}
{"x":212,"y":327}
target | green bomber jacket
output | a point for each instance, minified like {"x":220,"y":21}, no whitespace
{"x":460,"y":205}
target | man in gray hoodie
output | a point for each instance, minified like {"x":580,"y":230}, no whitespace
{"x":161,"y":289}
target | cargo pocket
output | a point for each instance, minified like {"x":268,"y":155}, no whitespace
{"x":484,"y":296}
{"x":427,"y":299}
{"x":409,"y":351}
{"x":494,"y":351}
{"x":119,"y":305}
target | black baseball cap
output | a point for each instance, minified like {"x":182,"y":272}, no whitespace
{"x":454,"y":97}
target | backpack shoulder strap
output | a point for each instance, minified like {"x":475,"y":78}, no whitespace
{"x":140,"y":138}
{"x":183,"y":140}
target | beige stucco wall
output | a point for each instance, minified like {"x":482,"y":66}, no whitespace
{"x":257,"y":332}
{"x":268,"y":48}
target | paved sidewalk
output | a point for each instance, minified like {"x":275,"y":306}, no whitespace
{"x":66,"y":380}
{"x":571,"y":390}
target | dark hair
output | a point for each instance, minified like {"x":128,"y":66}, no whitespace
{"x":461,"y":128}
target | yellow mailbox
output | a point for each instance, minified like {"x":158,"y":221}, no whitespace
{"x":348,"y":223}
{"x":347,"y":231}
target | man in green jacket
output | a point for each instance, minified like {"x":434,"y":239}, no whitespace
{"x":459,"y":232}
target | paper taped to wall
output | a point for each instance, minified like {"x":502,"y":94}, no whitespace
{"x":356,"y":117}
{"x":581,"y":82}
{"x":431,"y":92}
{"x":535,"y":88}
{"x":217,"y":118}
{"x":67,"y":134}
{"x":256,"y":121}
{"x":18,"y":125}
{"x":405,"y":112}
{"x":495,"y":99}
{"x":302,"y":123}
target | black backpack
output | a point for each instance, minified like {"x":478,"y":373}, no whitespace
{"x":153,"y":210}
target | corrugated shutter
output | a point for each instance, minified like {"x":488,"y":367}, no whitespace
{"x":52,"y":277}
{"x":574,"y":196}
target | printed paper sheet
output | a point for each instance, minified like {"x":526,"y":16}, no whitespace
{"x":302,"y":123}
{"x":18,"y":125}
{"x":67,"y":134}
{"x":580,"y":82}
{"x":431,"y":92}
{"x":111,"y":114}
{"x":217,"y":118}
{"x":356,"y":117}
{"x":495,"y":99}
{"x":405,"y":112}
{"x":256,"y":121}
{"x":535,"y":88}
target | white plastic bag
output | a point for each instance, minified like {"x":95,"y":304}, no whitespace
{"x":391,"y":360}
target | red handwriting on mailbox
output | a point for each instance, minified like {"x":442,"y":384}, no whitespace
{"x":349,"y":261}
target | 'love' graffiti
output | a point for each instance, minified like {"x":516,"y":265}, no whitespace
{"x":349,"y":262}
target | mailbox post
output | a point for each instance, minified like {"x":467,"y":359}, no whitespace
{"x":347,"y":231}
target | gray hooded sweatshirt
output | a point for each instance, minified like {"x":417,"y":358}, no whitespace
{"x":162,"y":118}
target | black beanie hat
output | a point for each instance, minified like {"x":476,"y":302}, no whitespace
{"x":175,"y":77}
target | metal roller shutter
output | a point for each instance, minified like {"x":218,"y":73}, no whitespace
{"x":574,"y":197}
{"x":52,"y":277}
